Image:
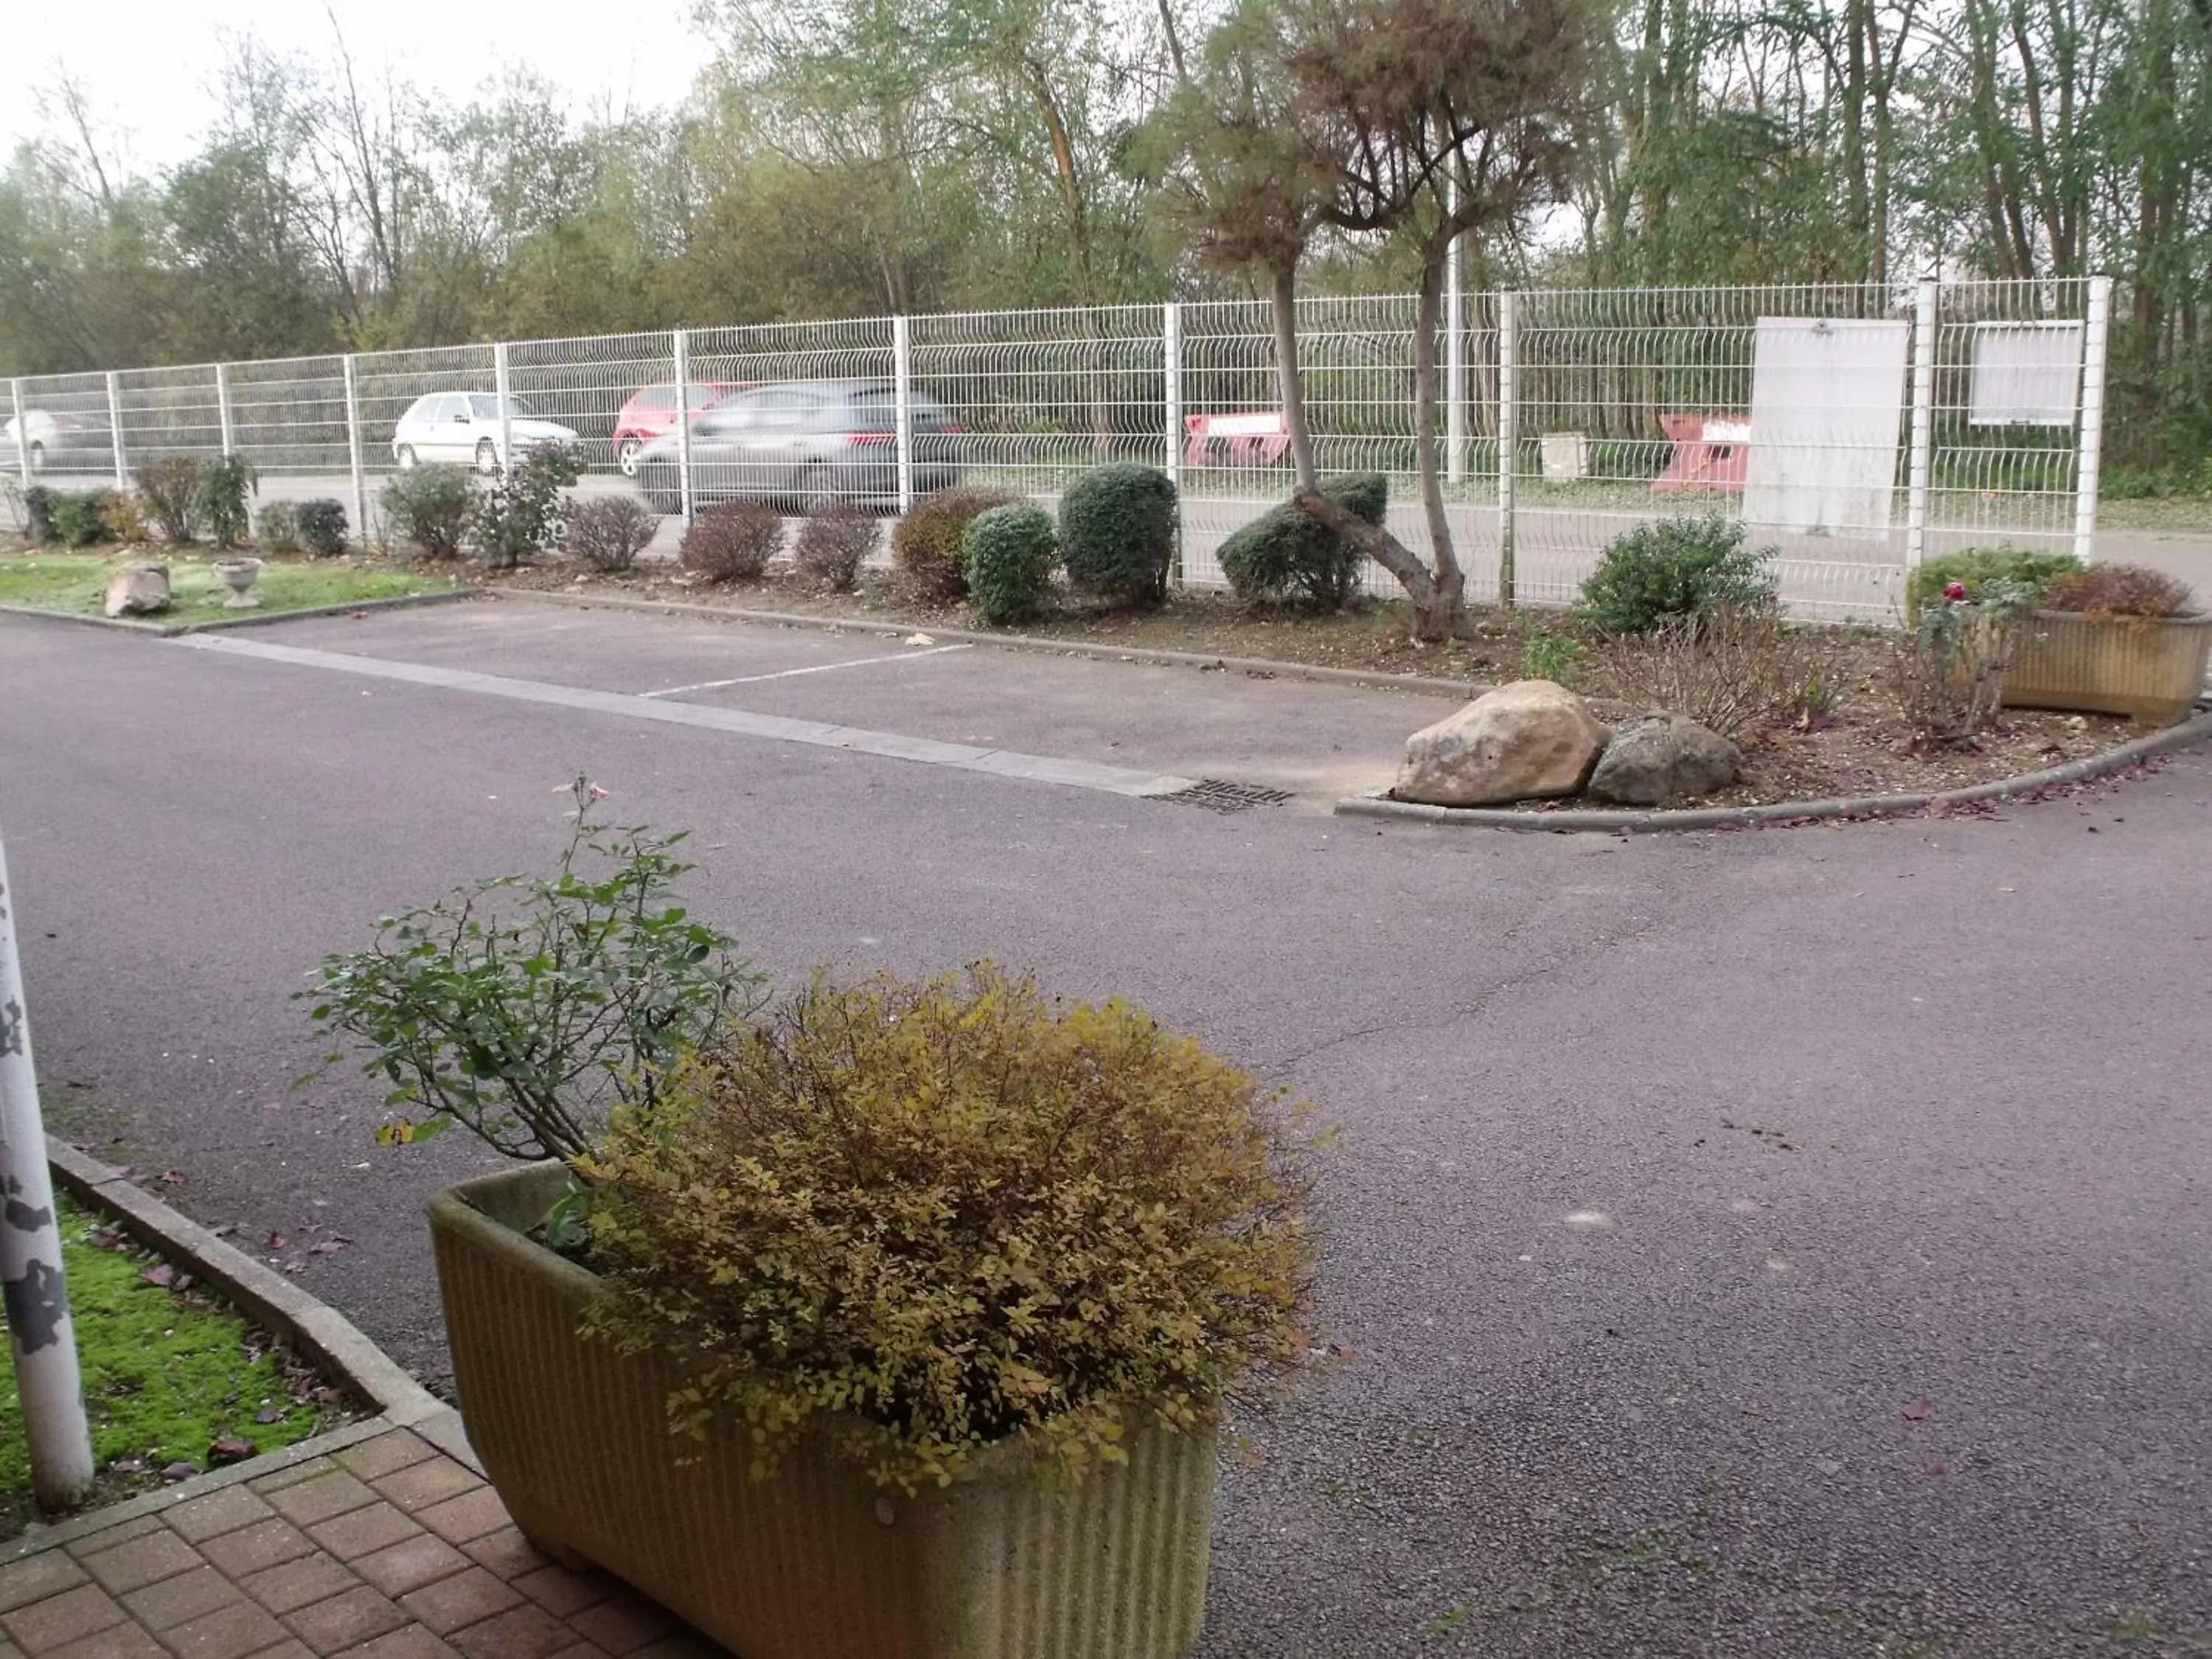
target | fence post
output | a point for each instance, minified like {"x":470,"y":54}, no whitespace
{"x":2092,"y":418}
{"x":1171,"y":384}
{"x":1509,"y":393}
{"x":1924,"y":425}
{"x":683,"y":339}
{"x":353,"y":449}
{"x":222,"y":407}
{"x":23,"y":430}
{"x":499,"y":390}
{"x":40,"y":1333}
{"x":902,"y":393}
{"x":1454,"y":352}
{"x":115,"y":429}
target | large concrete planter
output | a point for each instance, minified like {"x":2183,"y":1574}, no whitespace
{"x":815,"y":1562}
{"x":2150,"y":667}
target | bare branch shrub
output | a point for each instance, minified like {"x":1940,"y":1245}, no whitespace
{"x":1735,"y":671}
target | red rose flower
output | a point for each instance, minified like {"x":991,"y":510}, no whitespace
{"x":1955,"y":591}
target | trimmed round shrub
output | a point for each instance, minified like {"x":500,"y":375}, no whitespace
{"x":928,"y":544}
{"x":1011,"y":552}
{"x":81,"y":517}
{"x":431,"y":507}
{"x":608,"y":532}
{"x":1117,"y":533}
{"x":1283,"y":556}
{"x":170,"y":488}
{"x":833,"y":544}
{"x":732,"y":541}
{"x":1972,"y":568}
{"x":1676,"y":568}
{"x":322,"y":526}
{"x":276,"y":528}
{"x":932,"y":1218}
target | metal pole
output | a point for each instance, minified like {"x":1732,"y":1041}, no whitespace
{"x":2092,"y":418}
{"x":902,"y":384}
{"x":683,"y":339}
{"x":40,"y":1334}
{"x":1508,"y":391}
{"x":222,"y":408}
{"x":1924,"y":425}
{"x":23,"y":430}
{"x":499,"y":389}
{"x":1171,"y":382}
{"x":115,"y":429}
{"x":1455,"y":348}
{"x":353,"y":450}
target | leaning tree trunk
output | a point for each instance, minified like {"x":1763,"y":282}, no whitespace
{"x":1435,"y":619}
{"x":1283,"y":305}
{"x":1372,"y":539}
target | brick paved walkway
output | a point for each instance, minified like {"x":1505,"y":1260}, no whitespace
{"x":386,"y":1549}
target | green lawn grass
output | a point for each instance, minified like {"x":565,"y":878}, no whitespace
{"x":165,"y":1376}
{"x":77,"y":582}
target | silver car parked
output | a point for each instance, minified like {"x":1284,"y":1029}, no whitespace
{"x":807,"y":445}
{"x":68,"y":443}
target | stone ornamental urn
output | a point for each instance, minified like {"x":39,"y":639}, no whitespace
{"x":240,"y":575}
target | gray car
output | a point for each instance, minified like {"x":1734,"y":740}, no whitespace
{"x":806,"y":444}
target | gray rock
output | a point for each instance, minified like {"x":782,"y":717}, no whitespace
{"x":138,"y":590}
{"x":1530,"y":741}
{"x":1658,"y":757}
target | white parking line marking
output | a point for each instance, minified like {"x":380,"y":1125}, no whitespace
{"x":711,"y":717}
{"x":786,"y":673}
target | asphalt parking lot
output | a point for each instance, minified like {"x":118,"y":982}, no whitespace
{"x":1779,"y":1243}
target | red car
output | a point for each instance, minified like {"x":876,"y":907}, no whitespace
{"x":651,"y":411}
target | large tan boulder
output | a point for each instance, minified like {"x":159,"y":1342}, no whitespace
{"x":1530,"y":741}
{"x":138,"y":590}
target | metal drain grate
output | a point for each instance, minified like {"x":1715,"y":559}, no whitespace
{"x":1218,"y":795}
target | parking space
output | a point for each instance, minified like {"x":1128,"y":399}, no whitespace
{"x":1316,"y":741}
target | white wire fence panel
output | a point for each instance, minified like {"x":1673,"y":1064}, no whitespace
{"x":65,"y":431}
{"x":1633,"y":404}
{"x":1356,"y":363}
{"x":288,"y":418}
{"x":393,"y":387}
{"x":2009,"y":363}
{"x":771,"y":357}
{"x":170,"y":411}
{"x":1045,"y":395}
{"x":615,"y":392}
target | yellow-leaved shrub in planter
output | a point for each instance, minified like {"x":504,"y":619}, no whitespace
{"x":944,"y":1214}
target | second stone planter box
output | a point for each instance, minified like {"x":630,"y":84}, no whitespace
{"x":2149,"y":667}
{"x":815,"y":1562}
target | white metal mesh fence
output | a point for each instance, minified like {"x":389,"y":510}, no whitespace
{"x":1853,"y":429}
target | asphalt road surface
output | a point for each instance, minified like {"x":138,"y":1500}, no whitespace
{"x":1782,"y":1243}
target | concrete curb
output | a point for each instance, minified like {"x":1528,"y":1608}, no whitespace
{"x":1418,"y":683}
{"x":268,"y":1298}
{"x":41,"y":1537}
{"x":1375,"y":805}
{"x":257,"y":619}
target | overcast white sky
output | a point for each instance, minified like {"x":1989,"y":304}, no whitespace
{"x":149,"y":65}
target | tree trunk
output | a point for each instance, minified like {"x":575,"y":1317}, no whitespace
{"x":1283,"y":303}
{"x":1449,"y":598}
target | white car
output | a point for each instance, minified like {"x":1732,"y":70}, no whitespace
{"x":464,"y":427}
{"x":70,"y":442}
